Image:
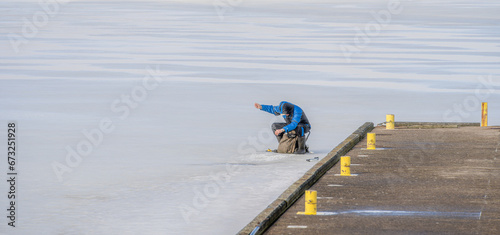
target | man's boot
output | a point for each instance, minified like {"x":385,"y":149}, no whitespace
{"x":302,"y":145}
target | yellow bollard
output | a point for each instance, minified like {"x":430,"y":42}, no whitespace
{"x":311,"y":201}
{"x":484,"y":116}
{"x":389,"y":119}
{"x":345,"y":166}
{"x":370,"y":141}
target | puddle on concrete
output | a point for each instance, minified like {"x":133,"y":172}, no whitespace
{"x":474,"y":215}
{"x":296,"y":226}
{"x":376,"y":149}
{"x":363,"y":155}
{"x":346,"y":175}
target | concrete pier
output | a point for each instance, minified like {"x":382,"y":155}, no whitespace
{"x":422,"y":178}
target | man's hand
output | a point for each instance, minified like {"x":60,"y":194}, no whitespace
{"x":258,"y":106}
{"x":277,"y":132}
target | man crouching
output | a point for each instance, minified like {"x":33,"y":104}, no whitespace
{"x":296,"y":120}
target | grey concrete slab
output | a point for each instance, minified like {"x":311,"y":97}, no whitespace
{"x":418,"y":181}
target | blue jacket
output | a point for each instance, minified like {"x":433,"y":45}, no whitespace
{"x":296,"y":115}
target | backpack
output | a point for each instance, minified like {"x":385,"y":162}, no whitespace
{"x":288,"y":143}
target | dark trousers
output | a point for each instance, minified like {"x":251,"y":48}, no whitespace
{"x":301,"y":129}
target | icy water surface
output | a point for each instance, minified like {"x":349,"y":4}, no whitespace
{"x":136,"y":117}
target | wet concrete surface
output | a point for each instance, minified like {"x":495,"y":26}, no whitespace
{"x":417,"y":181}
